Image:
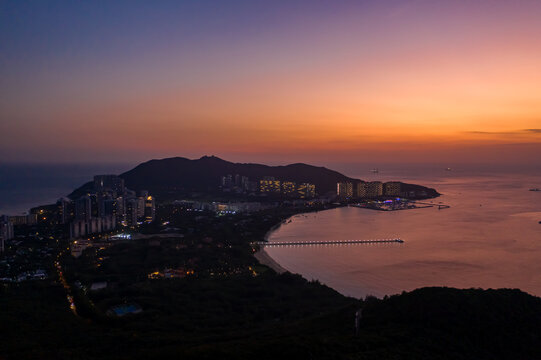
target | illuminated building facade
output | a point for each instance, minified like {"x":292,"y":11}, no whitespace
{"x":306,"y":191}
{"x":374,"y":189}
{"x":269,"y":185}
{"x":361,"y":190}
{"x":150,"y":209}
{"x":344,"y":189}
{"x":289,"y":188}
{"x":393,"y":188}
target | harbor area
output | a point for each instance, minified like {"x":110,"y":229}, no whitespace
{"x":397,"y":204}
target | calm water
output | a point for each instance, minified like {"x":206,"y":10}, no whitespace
{"x":489,"y":238}
{"x":23,"y":186}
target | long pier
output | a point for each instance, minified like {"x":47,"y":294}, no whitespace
{"x":327,"y":242}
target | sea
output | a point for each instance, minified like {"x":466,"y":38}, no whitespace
{"x":23,"y":186}
{"x":490,"y":237}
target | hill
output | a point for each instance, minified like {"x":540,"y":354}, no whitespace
{"x":429,"y":323}
{"x":178,"y":176}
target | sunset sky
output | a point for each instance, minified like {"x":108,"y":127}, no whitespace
{"x":275,"y":81}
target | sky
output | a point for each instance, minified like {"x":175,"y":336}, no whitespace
{"x":271,"y":81}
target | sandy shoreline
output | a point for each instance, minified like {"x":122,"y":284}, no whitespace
{"x":264,"y":258}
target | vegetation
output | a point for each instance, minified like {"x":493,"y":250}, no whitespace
{"x":225,"y":305}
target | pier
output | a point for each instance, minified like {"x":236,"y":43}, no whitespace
{"x":440,"y":206}
{"x":327,"y":242}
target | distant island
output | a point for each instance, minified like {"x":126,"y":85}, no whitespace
{"x":178,"y":178}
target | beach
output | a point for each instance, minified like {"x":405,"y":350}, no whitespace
{"x":265,"y":259}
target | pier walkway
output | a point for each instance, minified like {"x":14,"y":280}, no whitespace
{"x":327,"y":242}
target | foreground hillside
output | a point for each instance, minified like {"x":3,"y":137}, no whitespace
{"x":430,"y":323}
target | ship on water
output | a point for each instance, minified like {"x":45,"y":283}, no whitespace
{"x":535,"y":189}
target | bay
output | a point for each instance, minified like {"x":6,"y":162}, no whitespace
{"x":489,"y":238}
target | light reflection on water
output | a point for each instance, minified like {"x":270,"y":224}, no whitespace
{"x":489,"y":238}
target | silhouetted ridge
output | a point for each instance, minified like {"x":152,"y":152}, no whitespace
{"x":182,"y":175}
{"x":177,"y":177}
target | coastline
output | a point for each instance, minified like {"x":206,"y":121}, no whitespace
{"x":265,"y":259}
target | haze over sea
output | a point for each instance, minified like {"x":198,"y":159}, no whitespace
{"x":489,"y":238}
{"x":23,"y":186}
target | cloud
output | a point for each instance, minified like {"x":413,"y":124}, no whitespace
{"x":512,"y":132}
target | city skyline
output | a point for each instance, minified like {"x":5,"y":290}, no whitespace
{"x":433,"y":81}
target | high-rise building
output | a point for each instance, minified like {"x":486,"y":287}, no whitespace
{"x":227,"y":182}
{"x":374,"y":189}
{"x":344,"y":189}
{"x":306,"y":191}
{"x":120,"y":209}
{"x":109,"y":183}
{"x":81,"y":228}
{"x":362,"y":189}
{"x":150,"y":209}
{"x":269,"y":185}
{"x":392,"y":188}
{"x":66,"y":210}
{"x":83,"y":208}
{"x":131,"y":212}
{"x":108,"y":207}
{"x":6,"y":228}
{"x":289,"y":188}
{"x":29,"y":219}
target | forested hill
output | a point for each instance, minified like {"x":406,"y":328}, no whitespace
{"x":180,"y":176}
{"x":204,"y":174}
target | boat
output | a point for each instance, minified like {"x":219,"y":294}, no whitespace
{"x":375,"y":170}
{"x":535,"y":189}
{"x":448,"y":169}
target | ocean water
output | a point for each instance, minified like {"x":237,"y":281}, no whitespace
{"x":23,"y":186}
{"x":489,"y":238}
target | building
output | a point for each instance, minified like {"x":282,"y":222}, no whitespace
{"x":361,"y":190}
{"x":104,"y":183}
{"x":269,"y":185}
{"x":236,"y":183}
{"x":131,"y":212}
{"x":30,"y":219}
{"x":374,"y":189}
{"x":392,"y":188}
{"x":66,"y":210}
{"x":306,"y":191}
{"x":289,"y":188}
{"x":83,"y":208}
{"x":6,"y":230}
{"x":344,"y":189}
{"x":150,"y":209}
{"x":227,"y":182}
{"x":96,"y":225}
